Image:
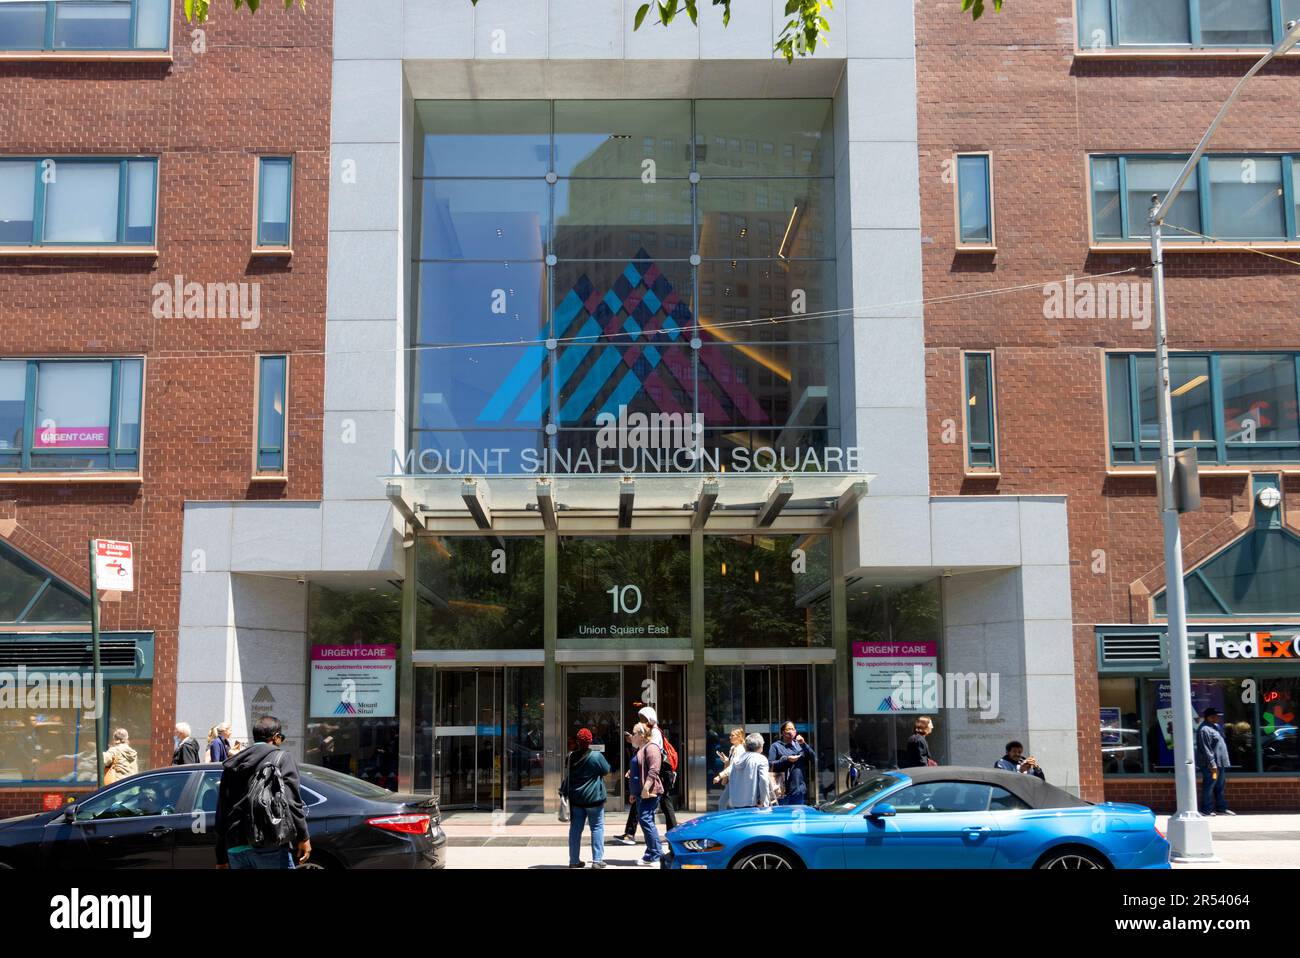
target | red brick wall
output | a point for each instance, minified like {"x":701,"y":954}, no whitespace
{"x":261,"y":86}
{"x":1010,"y":84}
{"x":1242,"y":794}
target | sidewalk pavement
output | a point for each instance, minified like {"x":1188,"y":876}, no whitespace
{"x":519,"y":840}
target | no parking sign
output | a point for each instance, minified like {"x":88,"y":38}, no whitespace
{"x":114,"y":567}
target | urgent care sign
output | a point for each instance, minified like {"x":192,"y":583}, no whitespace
{"x":1253,"y":645}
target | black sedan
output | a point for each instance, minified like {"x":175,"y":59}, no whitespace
{"x":164,"y":819}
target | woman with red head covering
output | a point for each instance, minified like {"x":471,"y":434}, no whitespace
{"x":584,"y":787}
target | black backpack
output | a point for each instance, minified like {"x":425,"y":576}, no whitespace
{"x":269,"y":821}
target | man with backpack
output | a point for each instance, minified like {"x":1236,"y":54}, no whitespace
{"x":261,"y":819}
{"x":667,"y":774}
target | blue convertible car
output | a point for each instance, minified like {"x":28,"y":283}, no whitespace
{"x":939,"y":817}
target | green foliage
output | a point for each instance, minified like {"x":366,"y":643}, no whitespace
{"x":198,"y":9}
{"x":976,"y":7}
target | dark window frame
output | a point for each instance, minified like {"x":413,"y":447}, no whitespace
{"x":39,"y":207}
{"x":1277,"y":26}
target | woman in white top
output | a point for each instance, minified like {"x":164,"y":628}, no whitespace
{"x":737,"y":750}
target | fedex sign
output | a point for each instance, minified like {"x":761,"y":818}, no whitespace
{"x":1256,"y":645}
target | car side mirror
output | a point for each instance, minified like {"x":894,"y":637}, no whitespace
{"x":69,"y":814}
{"x":883,"y":810}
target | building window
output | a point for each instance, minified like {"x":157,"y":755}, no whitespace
{"x":1232,"y":407}
{"x":1108,"y":24}
{"x":975,"y":200}
{"x":534,"y":223}
{"x":272,"y":387}
{"x":77,"y":201}
{"x":85,"y":25}
{"x":274,"y":202}
{"x":768,"y":591}
{"x":981,"y":417}
{"x":70,"y":414}
{"x":1236,"y":198}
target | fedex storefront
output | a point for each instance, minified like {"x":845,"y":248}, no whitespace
{"x":625,"y":405}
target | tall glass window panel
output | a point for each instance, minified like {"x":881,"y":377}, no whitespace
{"x":1121,"y":726}
{"x":274,"y":201}
{"x":13,"y":408}
{"x":481,"y":302}
{"x":1153,"y":22}
{"x":623,"y":219}
{"x":482,"y":387}
{"x":1094,"y":24}
{"x":1107,"y":217}
{"x":1119,"y":409}
{"x":140,"y":202}
{"x":1295,"y":178}
{"x":618,"y":588}
{"x":1193,"y":411}
{"x":637,"y":301}
{"x":643,"y":378}
{"x":768,"y":300}
{"x":22,"y":25}
{"x":72,"y":405}
{"x":1246,"y":198}
{"x":766,"y":218}
{"x":1259,"y":399}
{"x":272,"y":384}
{"x":488,"y":138}
{"x":975,"y":200}
{"x":92,"y":25}
{"x":756,"y":597}
{"x":492,"y":220}
{"x":778,"y":386}
{"x":470,"y":596}
{"x":1146,"y":177}
{"x":764,"y":138}
{"x":152,"y":24}
{"x":979,"y":410}
{"x":81,"y":202}
{"x":1278,"y":742}
{"x":623,"y":139}
{"x":129,"y":394}
{"x":17,"y":199}
{"x":1236,"y":23}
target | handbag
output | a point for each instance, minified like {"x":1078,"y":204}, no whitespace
{"x":565,"y":813}
{"x":778,"y":784}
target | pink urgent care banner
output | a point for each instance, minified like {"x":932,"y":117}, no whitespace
{"x":353,"y":681}
{"x":71,"y":437}
{"x":877,"y":668}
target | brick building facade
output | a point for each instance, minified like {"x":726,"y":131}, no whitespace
{"x":1015,"y":86}
{"x":238,"y":88}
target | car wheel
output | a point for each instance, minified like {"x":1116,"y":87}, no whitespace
{"x":764,"y":858}
{"x":1073,"y":859}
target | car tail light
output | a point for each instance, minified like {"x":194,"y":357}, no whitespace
{"x":402,"y":824}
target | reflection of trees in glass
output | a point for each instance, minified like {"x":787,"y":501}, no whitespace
{"x":659,"y":567}
{"x":896,"y":614}
{"x":464,"y":604}
{"x":754,"y":598}
{"x":354,"y":618}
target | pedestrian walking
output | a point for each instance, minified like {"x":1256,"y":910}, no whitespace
{"x":219,"y":744}
{"x":261,"y":821}
{"x":918,"y":749}
{"x":650,"y":719}
{"x":1213,"y":760}
{"x":794,"y":762}
{"x":750,"y":782}
{"x":1014,"y":759}
{"x":647,"y":786}
{"x":729,"y":760}
{"x":120,"y":760}
{"x":187,"y":746}
{"x":584,"y":787}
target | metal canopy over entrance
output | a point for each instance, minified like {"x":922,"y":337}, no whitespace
{"x":726,"y":502}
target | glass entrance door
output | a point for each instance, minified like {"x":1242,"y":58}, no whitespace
{"x":756,"y":698}
{"x":593,"y":699}
{"x":467,"y":738}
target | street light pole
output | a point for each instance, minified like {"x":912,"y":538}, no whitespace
{"x":1189,"y":831}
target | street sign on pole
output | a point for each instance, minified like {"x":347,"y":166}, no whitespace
{"x":114,"y":565}
{"x":111,"y":568}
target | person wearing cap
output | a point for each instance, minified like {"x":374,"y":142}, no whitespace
{"x":1213,"y":760}
{"x":651,"y":720}
{"x":585,"y":788}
